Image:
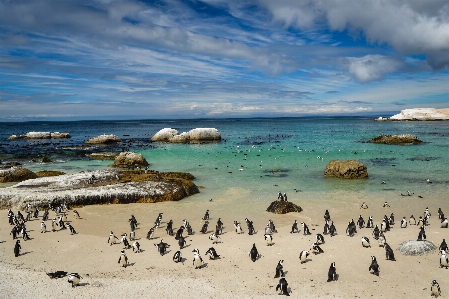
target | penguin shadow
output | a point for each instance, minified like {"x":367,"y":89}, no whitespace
{"x":131,"y":264}
{"x":154,"y":238}
{"x":336,"y":276}
{"x":26,"y":252}
{"x":204,"y":265}
{"x":185,"y":246}
{"x":83,"y":284}
{"x":2,"y":242}
{"x":307,"y":260}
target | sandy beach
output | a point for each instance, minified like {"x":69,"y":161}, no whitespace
{"x":234,"y":275}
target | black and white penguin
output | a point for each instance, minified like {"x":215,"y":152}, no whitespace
{"x":361,"y":222}
{"x":179,"y":233}
{"x":53,"y":224}
{"x":45,"y":215}
{"x":136,"y":247}
{"x":364,"y":206}
{"x":189,"y":229}
{"x":204,"y":228}
{"x":17,"y":248}
{"x":279,"y":269}
{"x":177,"y":257}
{"x":386,"y":205}
{"x":272,"y":226}
{"x":332,"y":229}
{"x":150,"y":233}
{"x":443,"y":246}
{"x":326,"y":228}
{"x":319,"y":239}
{"x":383,"y":226}
{"x":206,"y":215}
{"x":112,"y":238}
{"x":76,"y":214}
{"x":316,"y":249}
{"x":181,"y":242}
{"x":370,"y":223}
{"x":444,"y":261}
{"x":426,"y":212}
{"x":389,"y":252}
{"x":332,"y":273}
{"x":14,"y":232}
{"x":404,"y":223}
{"x":391,"y":219}
{"x":219,"y":227}
{"x":57,"y":274}
{"x":250,"y":226}
{"x":197,"y":260}
{"x":374,"y":266}
{"x":72,"y":230}
{"x":294,"y":227}
{"x":214,"y":238}
{"x":303,"y":256}
{"x":253,"y":253}
{"x":420,"y":221}
{"x":327,"y":216}
{"x":382,"y":240}
{"x":169,"y":228}
{"x":365,"y":242}
{"x":350,"y":229}
{"x":212,"y":254}
{"x":426,"y":219}
{"x":162,"y":247}
{"x":412,"y":220}
{"x":305,"y":229}
{"x":269,"y":239}
{"x":444,"y":223}
{"x":440,"y":213}
{"x":74,"y":278}
{"x":422,"y":233}
{"x":268,"y":230}
{"x":43,"y":227}
{"x":125,"y":241}
{"x":238,"y":227}
{"x":376,"y":232}
{"x":123,"y":259}
{"x":132,"y":235}
{"x":158,"y":220}
{"x":283,"y":286}
{"x":435,"y":289}
{"x":24,"y":233}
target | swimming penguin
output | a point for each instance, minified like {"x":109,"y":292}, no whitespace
{"x":169,"y":228}
{"x":361,"y":222}
{"x":435,"y":289}
{"x":283,"y":286}
{"x":253,"y":253}
{"x":305,"y":229}
{"x":369,"y":223}
{"x":17,"y":248}
{"x":365,"y":242}
{"x":389,"y":252}
{"x":162,"y":247}
{"x":214,"y":238}
{"x":316,"y":249}
{"x":76,"y":214}
{"x":269,"y":239}
{"x":332,"y":229}
{"x":136,"y":247}
{"x":250,"y":226}
{"x":444,"y":223}
{"x":412,"y":220}
{"x":197,"y":260}
{"x":72,"y":230}
{"x":179,"y":233}
{"x":374,"y":266}
{"x":327,"y":216}
{"x":112,"y":238}
{"x":279,"y":269}
{"x":332,"y":273}
{"x":443,"y":245}
{"x":364,"y":206}
{"x":404,"y":223}
{"x":238,"y":227}
{"x":43,"y":227}
{"x":150,"y":233}
{"x":125,"y":241}
{"x":74,"y":278}
{"x":123,"y":259}
{"x":177,"y":257}
{"x":295,"y":227}
{"x":422,"y":234}
{"x":204,"y":228}
{"x":206,"y":215}
{"x":444,"y":261}
{"x":181,"y":242}
{"x":303,"y":256}
{"x":319,"y":239}
{"x":382,"y":240}
{"x":376,"y":232}
{"x":212,"y":254}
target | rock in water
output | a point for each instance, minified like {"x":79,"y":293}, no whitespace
{"x":413,"y":247}
{"x":103,"y":139}
{"x":16,"y":174}
{"x":283,"y":207}
{"x":125,"y":159}
{"x":164,"y":135}
{"x":403,"y":139}
{"x":193,"y":136}
{"x":349,"y":169}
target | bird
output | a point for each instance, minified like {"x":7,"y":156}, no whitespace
{"x":303,"y":256}
{"x":332,"y":274}
{"x":214,"y":238}
{"x":253,"y":253}
{"x":365,"y":242}
{"x":279,"y":269}
{"x":444,"y":261}
{"x":435,"y":289}
{"x":269,"y":239}
{"x":374,"y":266}
{"x":74,"y":278}
{"x":197,"y":260}
{"x":283,"y":286}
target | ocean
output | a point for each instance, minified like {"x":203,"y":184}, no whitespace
{"x":258,"y":157}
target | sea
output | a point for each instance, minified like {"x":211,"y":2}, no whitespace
{"x":258,"y":157}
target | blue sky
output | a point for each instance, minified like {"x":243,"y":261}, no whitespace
{"x":106,"y":59}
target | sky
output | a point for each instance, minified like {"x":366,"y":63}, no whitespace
{"x":127,"y":59}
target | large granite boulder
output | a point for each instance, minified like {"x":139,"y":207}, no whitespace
{"x":283,"y":207}
{"x":204,"y":134}
{"x":103,"y":139}
{"x":16,"y":174}
{"x":164,"y":135}
{"x":349,"y":169}
{"x":403,"y":139}
{"x":192,"y":136}
{"x":40,"y":135}
{"x":126,"y":159}
{"x":423,"y":114}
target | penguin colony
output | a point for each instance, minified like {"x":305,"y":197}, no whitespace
{"x":61,"y":222}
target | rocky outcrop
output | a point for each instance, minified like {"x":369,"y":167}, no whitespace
{"x":98,"y":187}
{"x":16,"y":174}
{"x":127,"y":159}
{"x":283,"y":207}
{"x":404,"y":139}
{"x":423,"y":114}
{"x":40,"y":135}
{"x":103,"y":156}
{"x":349,"y":169}
{"x":103,"y":139}
{"x":414,"y":247}
{"x":193,"y":136}
{"x":45,"y":173}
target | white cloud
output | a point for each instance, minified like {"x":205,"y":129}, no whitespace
{"x":371,"y":67}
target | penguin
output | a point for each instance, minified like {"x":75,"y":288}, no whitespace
{"x":272,"y":226}
{"x":315,"y":248}
{"x":151,"y":233}
{"x":125,"y":241}
{"x":420,"y":221}
{"x":72,"y":230}
{"x":327,"y":216}
{"x":219,"y":227}
{"x":303,"y":256}
{"x":389,"y":252}
{"x":76,"y":214}
{"x":443,"y":246}
{"x":332,"y":273}
{"x":74,"y":278}
{"x":162,"y":247}
{"x":444,"y":223}
{"x":206,"y":215}
{"x":136,"y":247}
{"x":212,"y":254}
{"x":24,"y":233}
{"x":179,"y":233}
{"x":214,"y":238}
{"x":45,"y":215}
{"x":253,"y":253}
{"x":391,"y":219}
{"x":112,"y":238}
{"x":361,"y":222}
{"x":204,"y":228}
{"x":305,"y":229}
{"x":404,"y":223}
{"x":383,"y":226}
{"x":326,"y":228}
{"x":14,"y":232}
{"x":364,"y":206}
{"x":426,"y":219}
{"x":426,"y":212}
{"x":386,"y":205}
{"x":332,"y":229}
{"x":422,"y":234}
{"x":43,"y":227}
{"x":188,"y":227}
{"x":294,"y":227}
{"x":435,"y":289}
{"x":283,"y":286}
{"x":181,"y":242}
{"x":412,"y":220}
{"x":382,"y":240}
{"x":350,"y":230}
{"x":197,"y":260}
{"x":169,"y":228}
{"x":444,"y":261}
{"x":132,"y":235}
{"x":268,"y":230}
{"x":53,"y":224}
{"x":374,"y":266}
{"x":17,"y":248}
{"x":177,"y":257}
{"x":365,"y":242}
{"x":123,"y":259}
{"x":269,"y":239}
{"x":238,"y":227}
{"x":440,"y":213}
{"x":279,"y":269}
{"x":250,"y":226}
{"x":369,"y":223}
{"x":319,"y":239}
{"x":376,"y":232}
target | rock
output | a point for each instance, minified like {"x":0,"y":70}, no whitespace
{"x":204,"y":134}
{"x":422,"y":114}
{"x":40,"y":135}
{"x":413,"y":247}
{"x":193,"y":136}
{"x":57,"y":135}
{"x":283,"y":207}
{"x":403,"y":139}
{"x":16,"y":174}
{"x":349,"y":169}
{"x":46,"y":173}
{"x":46,"y":160}
{"x":126,"y":159}
{"x":164,"y":134}
{"x":103,"y":156}
{"x":103,"y":139}
{"x":181,"y":138}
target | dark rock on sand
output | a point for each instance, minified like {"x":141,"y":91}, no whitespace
{"x":403,"y":139}
{"x":126,"y":159}
{"x":348,"y":169}
{"x":283,"y":207}
{"x":16,"y":174}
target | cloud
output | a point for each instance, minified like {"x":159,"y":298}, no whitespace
{"x":371,"y":67}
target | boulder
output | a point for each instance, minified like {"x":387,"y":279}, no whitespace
{"x":423,"y":114}
{"x":16,"y":174}
{"x":103,"y":139}
{"x":283,"y":207}
{"x":40,"y":135}
{"x":193,"y":136}
{"x":57,"y":135}
{"x":103,"y":156}
{"x":414,"y":247}
{"x":126,"y":159}
{"x":181,"y":138}
{"x":204,"y":134}
{"x":349,"y":169}
{"x":164,"y":134}
{"x":46,"y":173}
{"x":403,"y":139}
